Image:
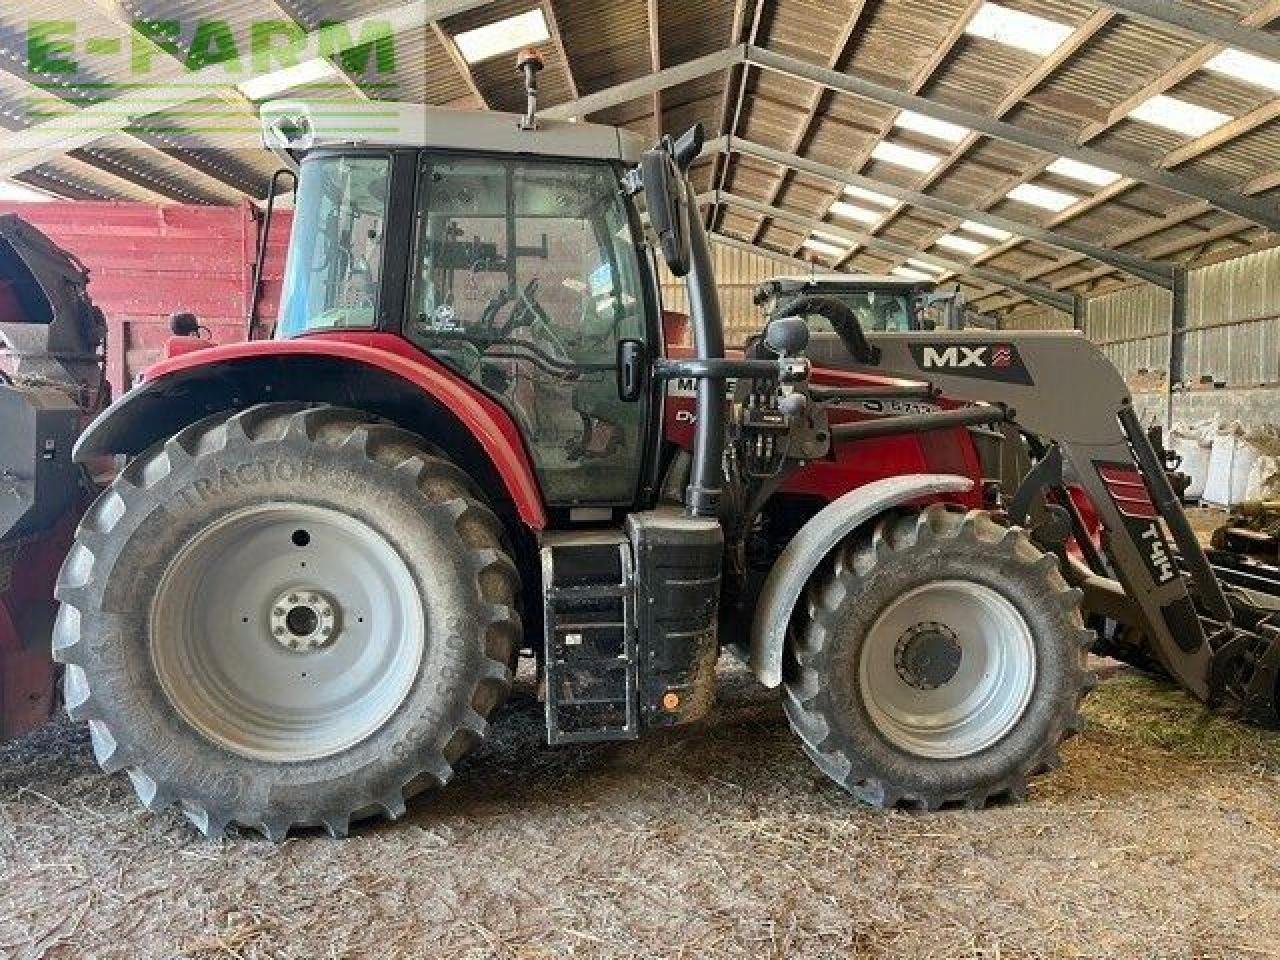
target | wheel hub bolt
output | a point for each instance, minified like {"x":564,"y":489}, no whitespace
{"x":303,"y":620}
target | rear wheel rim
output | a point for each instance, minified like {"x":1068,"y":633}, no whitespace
{"x":947,"y":669}
{"x":287,"y":632}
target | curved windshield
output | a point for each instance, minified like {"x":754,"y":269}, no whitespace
{"x":333,"y":275}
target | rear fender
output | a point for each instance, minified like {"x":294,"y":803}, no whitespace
{"x":378,"y":373}
{"x":817,"y":538}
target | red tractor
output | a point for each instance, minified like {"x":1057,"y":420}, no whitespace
{"x":308,"y":588}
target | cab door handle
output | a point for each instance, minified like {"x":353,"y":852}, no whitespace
{"x":631,"y":368}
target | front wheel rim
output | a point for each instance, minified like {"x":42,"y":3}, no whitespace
{"x":947,"y":669}
{"x":287,"y":632}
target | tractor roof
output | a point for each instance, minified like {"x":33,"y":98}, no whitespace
{"x":303,"y":125}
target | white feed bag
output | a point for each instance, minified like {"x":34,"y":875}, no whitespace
{"x":1192,"y":442}
{"x":1230,"y":461}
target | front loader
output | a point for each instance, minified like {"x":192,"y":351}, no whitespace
{"x":469,"y":440}
{"x":1088,"y":481}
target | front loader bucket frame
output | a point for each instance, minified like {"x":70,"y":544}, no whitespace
{"x":1061,"y":387}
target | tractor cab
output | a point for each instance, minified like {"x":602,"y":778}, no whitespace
{"x":527,"y":275}
{"x":880,"y":303}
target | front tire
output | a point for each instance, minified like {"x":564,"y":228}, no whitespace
{"x":287,"y":617}
{"x":940,"y":661}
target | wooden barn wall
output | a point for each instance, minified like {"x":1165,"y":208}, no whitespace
{"x":1038,"y":318}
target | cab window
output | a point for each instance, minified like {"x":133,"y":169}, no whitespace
{"x":333,"y":275}
{"x":877,"y":311}
{"x":530,"y":277}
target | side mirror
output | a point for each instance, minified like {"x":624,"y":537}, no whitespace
{"x":689,"y":146}
{"x":668,"y":202}
{"x":184,"y":325}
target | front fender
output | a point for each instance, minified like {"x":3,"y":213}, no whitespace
{"x":378,"y":373}
{"x":814,"y":541}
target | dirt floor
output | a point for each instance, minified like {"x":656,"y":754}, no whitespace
{"x":1159,"y":838}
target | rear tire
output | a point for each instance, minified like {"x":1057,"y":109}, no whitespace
{"x":287,"y":617}
{"x":940,"y":661}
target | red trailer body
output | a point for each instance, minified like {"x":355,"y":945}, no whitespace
{"x":148,"y":261}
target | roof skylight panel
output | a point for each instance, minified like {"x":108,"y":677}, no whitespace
{"x":1170,"y":113}
{"x":1014,"y":28}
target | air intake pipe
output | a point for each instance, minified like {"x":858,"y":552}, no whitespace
{"x":702,"y":499}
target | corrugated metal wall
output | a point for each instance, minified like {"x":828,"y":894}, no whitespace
{"x":738,"y":273}
{"x":1233,"y":319}
{"x":1132,"y":327}
{"x":1234,"y":316}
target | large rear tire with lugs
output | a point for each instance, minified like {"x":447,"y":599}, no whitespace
{"x":939,"y":661}
{"x":287,"y":617}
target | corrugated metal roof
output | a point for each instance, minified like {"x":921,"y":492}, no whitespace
{"x":899,"y":43}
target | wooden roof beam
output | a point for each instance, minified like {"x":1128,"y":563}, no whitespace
{"x":1141,"y":231}
{"x":1264,"y":214}
{"x":730,"y":121}
{"x":1032,"y":81}
{"x":553,"y":26}
{"x":461,"y":66}
{"x":1147,"y":270}
{"x":1200,"y":22}
{"x":1037,"y":291}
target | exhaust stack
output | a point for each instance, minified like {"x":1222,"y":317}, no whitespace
{"x":529,"y":63}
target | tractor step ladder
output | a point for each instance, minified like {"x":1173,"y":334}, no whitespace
{"x":590,"y":635}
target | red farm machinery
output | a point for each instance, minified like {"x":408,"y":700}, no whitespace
{"x":52,"y":382}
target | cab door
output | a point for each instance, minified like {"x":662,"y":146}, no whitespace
{"x":528,"y":281}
